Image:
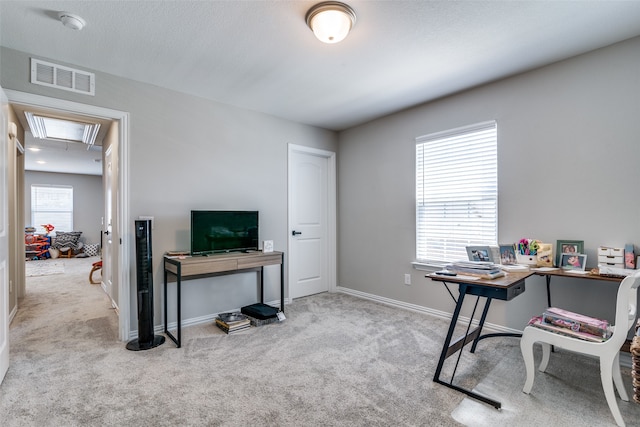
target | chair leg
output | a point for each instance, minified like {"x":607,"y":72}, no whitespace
{"x":91,"y":275}
{"x":617,"y":379}
{"x":546,"y":353}
{"x":526,"y":347}
{"x":606,"y":376}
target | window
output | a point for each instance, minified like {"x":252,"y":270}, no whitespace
{"x":456,"y":192}
{"x":52,"y":204}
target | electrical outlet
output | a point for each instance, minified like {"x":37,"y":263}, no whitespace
{"x":407,"y":279}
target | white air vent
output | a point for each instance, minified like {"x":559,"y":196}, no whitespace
{"x":54,"y":75}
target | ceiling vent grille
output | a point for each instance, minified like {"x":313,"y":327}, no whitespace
{"x":61,"y":77}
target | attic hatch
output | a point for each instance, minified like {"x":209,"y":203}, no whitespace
{"x":53,"y":75}
{"x":56,"y":129}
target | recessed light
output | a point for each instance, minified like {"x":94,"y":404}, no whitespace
{"x":41,"y":162}
{"x":34,"y":149}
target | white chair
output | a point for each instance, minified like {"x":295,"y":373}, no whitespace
{"x":608,"y":351}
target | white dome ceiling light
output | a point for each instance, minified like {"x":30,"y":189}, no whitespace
{"x":331,"y":21}
{"x":72,"y":21}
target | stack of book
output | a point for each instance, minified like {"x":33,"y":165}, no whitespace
{"x":573,"y":325}
{"x":482,"y":269}
{"x":232,"y":322}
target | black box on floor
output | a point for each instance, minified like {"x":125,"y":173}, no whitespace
{"x":260,"y":311}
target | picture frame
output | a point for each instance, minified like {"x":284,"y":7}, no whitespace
{"x":508,"y":255}
{"x":568,"y":246}
{"x":573,"y":261}
{"x":545,"y":255}
{"x":480,"y":253}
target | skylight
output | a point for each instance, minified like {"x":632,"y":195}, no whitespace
{"x":62,"y":130}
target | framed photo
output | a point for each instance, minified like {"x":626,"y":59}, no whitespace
{"x":573,"y":261}
{"x":480,"y":253}
{"x":545,"y":255}
{"x":568,"y":247}
{"x":508,"y":255}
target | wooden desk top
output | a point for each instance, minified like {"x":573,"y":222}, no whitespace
{"x":506,"y":281}
{"x":558,"y":272}
{"x":220,"y":263}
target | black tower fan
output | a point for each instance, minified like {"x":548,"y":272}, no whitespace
{"x":144,"y":273}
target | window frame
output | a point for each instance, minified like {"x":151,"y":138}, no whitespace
{"x":37,"y":211}
{"x":451,"y":149}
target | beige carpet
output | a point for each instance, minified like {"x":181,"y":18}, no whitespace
{"x":336,"y":361}
{"x":43,"y":267}
{"x":568,"y":394}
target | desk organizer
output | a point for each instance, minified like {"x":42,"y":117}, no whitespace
{"x":531,"y":260}
{"x":611,"y":257}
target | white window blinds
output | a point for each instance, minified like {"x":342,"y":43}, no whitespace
{"x":52,"y":204}
{"x":456,"y":192}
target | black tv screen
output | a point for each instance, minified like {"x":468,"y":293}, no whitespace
{"x":223,"y":231}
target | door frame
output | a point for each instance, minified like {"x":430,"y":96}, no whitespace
{"x":331,"y":272}
{"x":122,"y":213}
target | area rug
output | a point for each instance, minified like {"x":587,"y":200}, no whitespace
{"x":43,"y":268}
{"x":556,"y":398}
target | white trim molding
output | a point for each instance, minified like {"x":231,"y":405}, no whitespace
{"x":124,"y":303}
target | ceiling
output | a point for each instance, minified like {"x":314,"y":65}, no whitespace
{"x":260,"y":55}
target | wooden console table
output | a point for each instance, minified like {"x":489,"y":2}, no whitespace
{"x":216,"y":265}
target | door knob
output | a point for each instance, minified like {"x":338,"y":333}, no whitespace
{"x":294,"y":232}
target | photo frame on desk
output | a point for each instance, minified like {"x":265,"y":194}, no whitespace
{"x":545,"y":255}
{"x":572,"y":261}
{"x":480,"y":253}
{"x":508,"y":255}
{"x":568,"y":247}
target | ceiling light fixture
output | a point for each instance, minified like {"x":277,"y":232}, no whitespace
{"x":71,"y":20}
{"x":331,"y":21}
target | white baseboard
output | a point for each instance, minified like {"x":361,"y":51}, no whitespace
{"x":13,"y":313}
{"x":413,"y":307}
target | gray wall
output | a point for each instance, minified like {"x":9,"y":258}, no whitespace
{"x":189,"y":153}
{"x":567,"y":170}
{"x":568,"y":155}
{"x":87,"y":201}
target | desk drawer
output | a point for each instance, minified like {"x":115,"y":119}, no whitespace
{"x":259,"y":261}
{"x":197,"y":268}
{"x":504,"y":294}
{"x":610,"y":259}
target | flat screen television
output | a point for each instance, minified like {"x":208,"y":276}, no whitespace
{"x":223,"y":231}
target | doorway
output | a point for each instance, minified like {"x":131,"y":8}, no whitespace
{"x":118,"y":188}
{"x":312,"y":221}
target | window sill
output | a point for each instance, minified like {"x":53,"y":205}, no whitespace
{"x":429,"y":266}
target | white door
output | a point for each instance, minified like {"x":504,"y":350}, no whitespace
{"x":311,"y":221}
{"x":4,"y":238}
